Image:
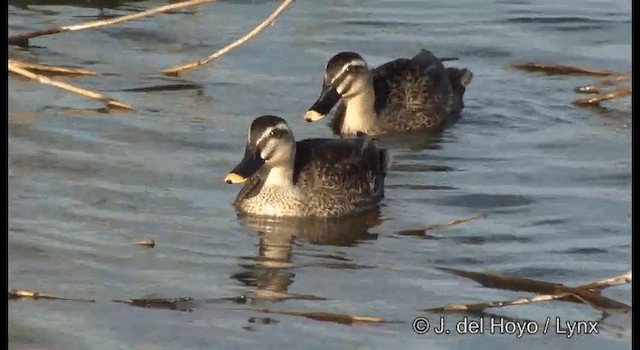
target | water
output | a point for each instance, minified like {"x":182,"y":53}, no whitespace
{"x":554,"y":180}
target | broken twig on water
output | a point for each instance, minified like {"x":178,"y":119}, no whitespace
{"x":23,"y":39}
{"x":559,"y":69}
{"x":594,"y":88}
{"x":587,"y":293}
{"x":175,"y":70}
{"x":52,"y":70}
{"x":182,"y":304}
{"x":424,"y":233}
{"x":149,"y":243}
{"x":111,"y":103}
{"x":595,"y":100}
{"x":455,"y":222}
{"x":614,"y":78}
{"x":328,"y":317}
{"x":609,"y":282}
{"x":22,"y":293}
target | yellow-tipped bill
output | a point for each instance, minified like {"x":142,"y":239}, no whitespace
{"x":250,"y":165}
{"x":312,"y":116}
{"x":323,"y":105}
{"x":233,"y":178}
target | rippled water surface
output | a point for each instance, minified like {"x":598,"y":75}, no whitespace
{"x":554,"y":180}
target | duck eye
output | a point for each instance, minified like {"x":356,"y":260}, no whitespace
{"x":275,"y":134}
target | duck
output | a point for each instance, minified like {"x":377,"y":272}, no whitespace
{"x":315,"y":177}
{"x":403,"y":95}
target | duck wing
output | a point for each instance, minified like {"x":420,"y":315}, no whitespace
{"x":354,"y":167}
{"x":410,"y":83}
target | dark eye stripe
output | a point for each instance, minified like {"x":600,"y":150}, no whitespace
{"x":274,"y":134}
{"x":339,"y":79}
{"x":347,"y":88}
{"x":277,"y":133}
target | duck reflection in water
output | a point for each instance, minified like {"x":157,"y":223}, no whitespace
{"x":272,"y":271}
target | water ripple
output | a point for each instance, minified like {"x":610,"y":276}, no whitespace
{"x":553,"y":179}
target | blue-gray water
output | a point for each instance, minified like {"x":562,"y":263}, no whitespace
{"x":553,"y":179}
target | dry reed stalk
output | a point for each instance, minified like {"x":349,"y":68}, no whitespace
{"x":482,"y":306}
{"x":182,"y":304}
{"x":614,"y":281}
{"x":149,"y":243}
{"x":52,"y":70}
{"x":22,"y":115}
{"x":593,"y":88}
{"x":595,"y":100}
{"x":84,"y":111}
{"x":265,"y":294}
{"x":22,"y":293}
{"x":552,"y":68}
{"x":176,"y":69}
{"x":111,"y":103}
{"x":559,"y":292}
{"x":327,"y":316}
{"x":23,"y":39}
{"x":454,"y":222}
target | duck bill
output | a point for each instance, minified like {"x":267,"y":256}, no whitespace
{"x":323,"y":105}
{"x":247,"y":167}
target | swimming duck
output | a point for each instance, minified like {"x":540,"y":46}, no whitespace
{"x":399,"y":96}
{"x":308,"y":178}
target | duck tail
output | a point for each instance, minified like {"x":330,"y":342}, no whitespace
{"x":385,"y":160}
{"x":424,"y":55}
{"x":426,"y":59}
{"x":460,"y":77}
{"x":466,"y":77}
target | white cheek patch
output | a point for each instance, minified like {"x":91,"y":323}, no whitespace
{"x":352,"y":86}
{"x":275,"y":151}
{"x":264,"y":154}
{"x":344,"y":86}
{"x":354,"y":63}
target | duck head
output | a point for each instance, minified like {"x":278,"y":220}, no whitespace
{"x":270,"y":145}
{"x":347,"y":76}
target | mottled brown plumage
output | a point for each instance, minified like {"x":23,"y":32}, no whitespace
{"x":408,"y":94}
{"x":325,"y":177}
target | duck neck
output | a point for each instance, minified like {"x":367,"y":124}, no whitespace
{"x":360,"y":114}
{"x":281,"y":176}
{"x":281,"y":173}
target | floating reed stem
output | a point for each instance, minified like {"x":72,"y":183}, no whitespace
{"x":111,"y":103}
{"x":149,"y":243}
{"x":587,"y":293}
{"x":23,"y":39}
{"x":454,"y":222}
{"x":327,"y":316}
{"x":595,"y":100}
{"x":593,"y":88}
{"x":52,"y":70}
{"x":559,"y":69}
{"x":182,"y":304}
{"x":614,"y":281}
{"x":175,"y":70}
{"x":28,"y":294}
